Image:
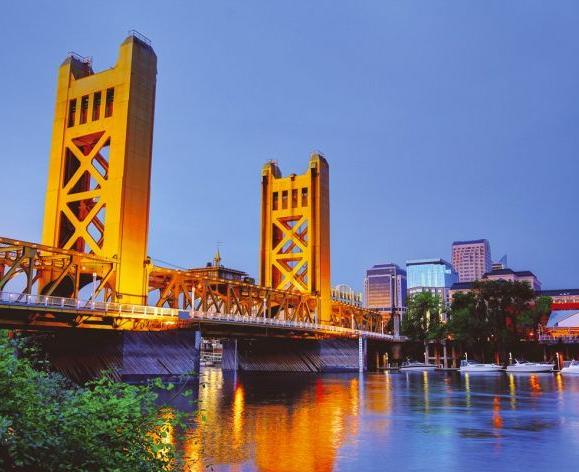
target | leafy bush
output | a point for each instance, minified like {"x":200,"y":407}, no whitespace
{"x":49,"y":424}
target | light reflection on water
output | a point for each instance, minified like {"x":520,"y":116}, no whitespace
{"x":410,"y":421}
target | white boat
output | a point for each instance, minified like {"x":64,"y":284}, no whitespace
{"x":522,"y":366}
{"x":416,"y":366}
{"x":571,"y":369}
{"x":473,"y":367}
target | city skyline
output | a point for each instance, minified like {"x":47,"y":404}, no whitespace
{"x":210,"y":121}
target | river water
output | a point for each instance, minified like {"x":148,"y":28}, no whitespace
{"x":388,"y":421}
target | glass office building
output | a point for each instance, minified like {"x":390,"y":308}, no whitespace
{"x":385,"y":287}
{"x":433,"y":275}
{"x":385,"y":291}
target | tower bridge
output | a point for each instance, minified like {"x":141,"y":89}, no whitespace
{"x":94,"y":242}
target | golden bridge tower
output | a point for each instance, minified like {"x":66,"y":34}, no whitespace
{"x":97,"y":197}
{"x":295,"y":231}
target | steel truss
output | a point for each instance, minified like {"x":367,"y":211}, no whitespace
{"x":354,"y":317}
{"x":175,"y":289}
{"x":53,"y":271}
{"x":58,"y":272}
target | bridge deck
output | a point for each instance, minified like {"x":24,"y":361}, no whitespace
{"x":36,"y":312}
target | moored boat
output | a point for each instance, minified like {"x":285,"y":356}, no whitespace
{"x":416,"y":366}
{"x":571,"y":369}
{"x":473,"y":367}
{"x":522,"y":367}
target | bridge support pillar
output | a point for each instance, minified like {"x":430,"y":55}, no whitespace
{"x":362,"y":353}
{"x":294,"y":355}
{"x":83,"y":355}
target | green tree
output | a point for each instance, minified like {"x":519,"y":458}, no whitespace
{"x":48,"y":424}
{"x":504,"y":302}
{"x":466,"y":324}
{"x":423,"y":320}
{"x":536,"y":315}
{"x":495,"y":314}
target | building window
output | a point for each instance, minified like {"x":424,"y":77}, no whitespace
{"x":109,"y":102}
{"x":83,"y":109}
{"x":304,"y":197}
{"x":274,"y":202}
{"x":96,"y":106}
{"x":284,"y":200}
{"x":71,"y":112}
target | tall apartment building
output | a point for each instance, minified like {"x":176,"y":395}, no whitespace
{"x":430,"y":275}
{"x":471,"y":259}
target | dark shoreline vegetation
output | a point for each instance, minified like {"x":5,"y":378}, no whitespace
{"x":493,"y":319}
{"x":48,"y":423}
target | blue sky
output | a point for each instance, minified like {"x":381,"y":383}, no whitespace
{"x":441,"y":120}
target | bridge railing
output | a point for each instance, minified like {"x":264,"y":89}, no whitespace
{"x":172,"y":314}
{"x":74,"y":304}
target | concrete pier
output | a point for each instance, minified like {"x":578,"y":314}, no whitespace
{"x":82,"y":355}
{"x":295,"y":355}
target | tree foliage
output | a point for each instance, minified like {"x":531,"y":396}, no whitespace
{"x":48,"y":424}
{"x":496,"y":313}
{"x":466,"y":323}
{"x":423,"y":319}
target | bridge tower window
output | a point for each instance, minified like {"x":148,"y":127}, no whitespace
{"x":110,"y":98}
{"x":83,"y":109}
{"x":96,"y":106}
{"x":71,"y":112}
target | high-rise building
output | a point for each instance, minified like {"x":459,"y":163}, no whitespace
{"x":385,"y":288}
{"x":385,"y":291}
{"x":471,"y":259}
{"x":430,"y":275}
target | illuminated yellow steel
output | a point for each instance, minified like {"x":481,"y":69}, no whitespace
{"x":295,"y":231}
{"x":97,"y":198}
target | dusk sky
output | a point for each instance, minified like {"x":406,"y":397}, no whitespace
{"x":441,"y":121}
